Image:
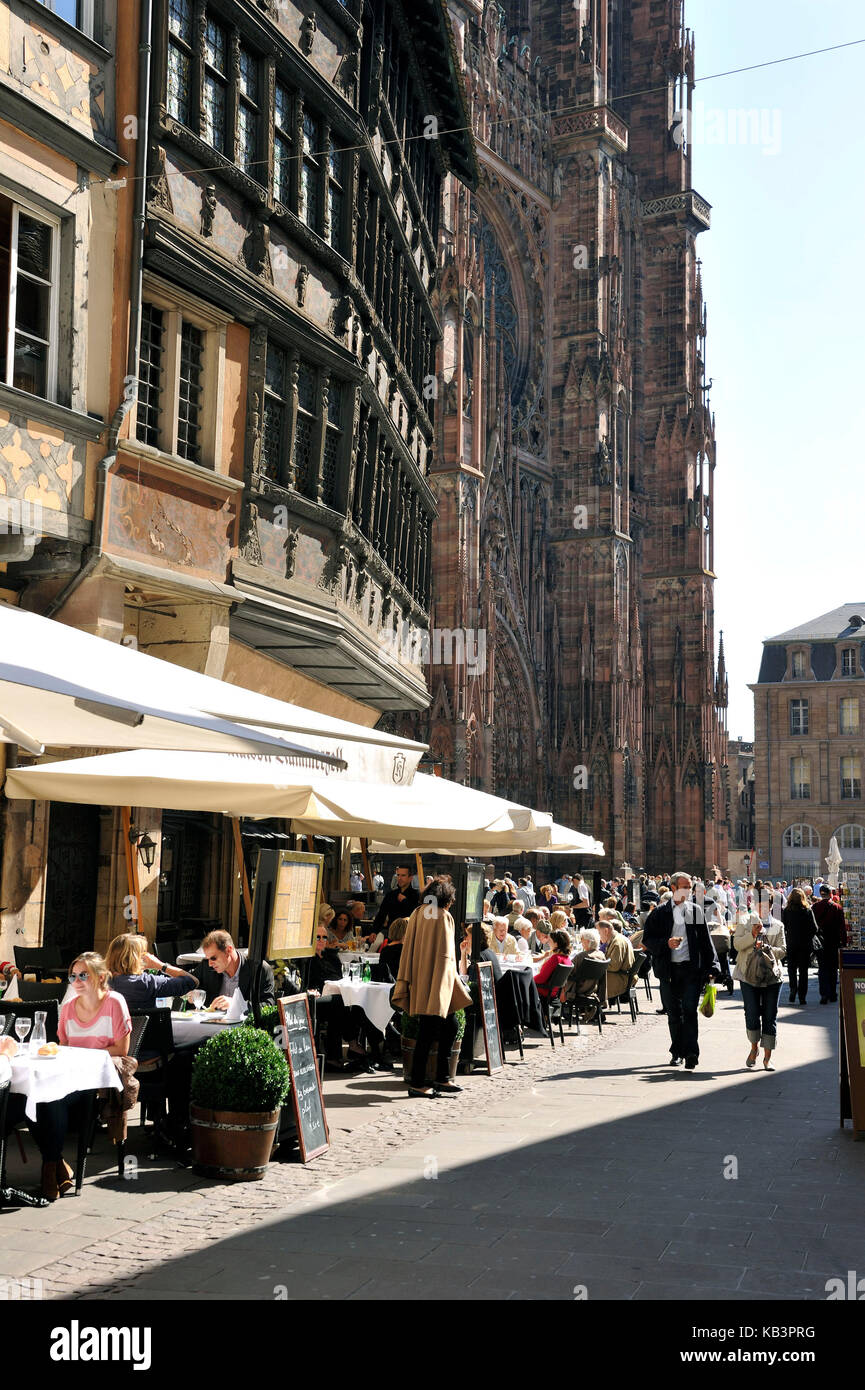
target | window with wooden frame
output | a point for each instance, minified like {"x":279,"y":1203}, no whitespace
{"x":29,"y":284}
{"x":848,"y":716}
{"x":214,"y":126}
{"x":283,"y":143}
{"x":180,"y":380}
{"x":179,"y":80}
{"x":849,"y":661}
{"x":80,"y":13}
{"x":851,"y":779}
{"x":247,"y":114}
{"x":800,"y":779}
{"x":303,"y":440}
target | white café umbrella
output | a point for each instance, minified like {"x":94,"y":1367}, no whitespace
{"x":65,"y":689}
{"x":833,"y":863}
{"x":238,"y":785}
{"x":553,"y":839}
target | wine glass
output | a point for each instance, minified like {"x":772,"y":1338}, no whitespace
{"x":22,"y":1028}
{"x":198,"y":997}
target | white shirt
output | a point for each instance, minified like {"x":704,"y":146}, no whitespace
{"x":583,"y":892}
{"x":681,"y":953}
{"x":522,"y":946}
{"x":356,"y":883}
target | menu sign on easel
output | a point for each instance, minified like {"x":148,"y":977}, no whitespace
{"x":489,"y":1017}
{"x":295,"y":903}
{"x":306,"y":1097}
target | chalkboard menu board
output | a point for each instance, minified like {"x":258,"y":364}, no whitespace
{"x":306,"y":1098}
{"x":490,"y":1017}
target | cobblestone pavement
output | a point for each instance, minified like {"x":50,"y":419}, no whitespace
{"x":597,"y":1171}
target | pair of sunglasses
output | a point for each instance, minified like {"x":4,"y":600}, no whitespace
{"x":82,"y":975}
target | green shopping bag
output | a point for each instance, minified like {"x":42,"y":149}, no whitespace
{"x":707,"y":1003}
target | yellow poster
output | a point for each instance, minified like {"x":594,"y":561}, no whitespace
{"x":295,"y":910}
{"x":859,"y":1001}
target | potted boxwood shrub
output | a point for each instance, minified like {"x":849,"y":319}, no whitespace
{"x":239,"y":1080}
{"x":410,"y":1025}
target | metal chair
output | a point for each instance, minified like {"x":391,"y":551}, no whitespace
{"x":557,"y":980}
{"x":645,"y":971}
{"x":7,"y":1023}
{"x":38,"y":960}
{"x":139,"y":1028}
{"x":629,"y":993}
{"x":592,"y":972}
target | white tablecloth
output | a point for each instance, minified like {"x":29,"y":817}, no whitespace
{"x":520,"y":964}
{"x":42,"y":1079}
{"x":189,"y":1030}
{"x":372,"y":998}
{"x":190,"y":958}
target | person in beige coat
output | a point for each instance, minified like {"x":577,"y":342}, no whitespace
{"x":428,"y":985}
{"x":618,"y":951}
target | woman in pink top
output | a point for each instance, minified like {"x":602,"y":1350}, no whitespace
{"x":96,"y":1017}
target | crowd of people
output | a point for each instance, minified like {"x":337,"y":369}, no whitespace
{"x":691,"y":930}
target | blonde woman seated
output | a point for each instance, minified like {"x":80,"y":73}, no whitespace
{"x":559,"y":923}
{"x":127,"y":960}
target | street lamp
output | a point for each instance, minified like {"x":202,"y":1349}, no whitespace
{"x":146,"y":847}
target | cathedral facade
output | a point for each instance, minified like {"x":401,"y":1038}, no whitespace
{"x":573,"y":549}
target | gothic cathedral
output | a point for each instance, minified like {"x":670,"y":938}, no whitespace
{"x":575,"y":453}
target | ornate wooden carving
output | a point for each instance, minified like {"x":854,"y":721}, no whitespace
{"x":291,"y":537}
{"x":160,"y":191}
{"x":250,"y":545}
{"x":307,"y":32}
{"x":208,"y":209}
{"x":300,"y":285}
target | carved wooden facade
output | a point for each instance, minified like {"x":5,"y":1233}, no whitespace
{"x":576,"y":442}
{"x":291,"y":187}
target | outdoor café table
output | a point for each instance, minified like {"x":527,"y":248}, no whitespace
{"x":193,"y":1029}
{"x":190,"y":958}
{"x":519,"y":978}
{"x":374,"y":999}
{"x":43,"y":1079}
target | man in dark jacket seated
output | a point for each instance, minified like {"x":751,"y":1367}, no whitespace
{"x":225,"y":972}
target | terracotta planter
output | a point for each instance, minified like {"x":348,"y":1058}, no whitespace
{"x":432,"y":1060}
{"x":231,"y":1144}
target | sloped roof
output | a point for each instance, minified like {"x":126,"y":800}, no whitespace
{"x":829,"y":627}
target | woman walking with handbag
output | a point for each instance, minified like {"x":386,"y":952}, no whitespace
{"x":757,"y":969}
{"x":801,"y":929}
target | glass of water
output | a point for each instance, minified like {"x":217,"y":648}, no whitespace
{"x":198,"y":997}
{"x":22,"y":1028}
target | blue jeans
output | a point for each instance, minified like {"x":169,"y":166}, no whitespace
{"x":761,"y":1011}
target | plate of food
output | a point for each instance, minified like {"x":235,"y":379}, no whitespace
{"x":48,"y":1050}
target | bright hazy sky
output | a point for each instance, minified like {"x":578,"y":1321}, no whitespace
{"x":783,"y":281}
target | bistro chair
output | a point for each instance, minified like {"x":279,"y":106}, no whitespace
{"x":557,"y":980}
{"x":645,"y":971}
{"x":38,"y":960}
{"x":31,"y":990}
{"x":152,"y":1074}
{"x":7,"y":1023}
{"x":629,"y":993}
{"x":592,"y":972}
{"x":139,"y":1028}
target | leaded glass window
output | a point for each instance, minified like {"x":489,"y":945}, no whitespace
{"x":179,"y":59}
{"x":215,"y":86}
{"x":499,"y":292}
{"x":304,"y":429}
{"x":150,"y":373}
{"x":335,"y":185}
{"x":247,"y":114}
{"x":332,"y":443}
{"x":282,"y":144}
{"x":275,"y":413}
{"x":189,"y":396}
{"x":310,"y":176}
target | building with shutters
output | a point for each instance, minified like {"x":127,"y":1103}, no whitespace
{"x":809,"y":717}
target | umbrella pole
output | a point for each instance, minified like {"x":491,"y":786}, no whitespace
{"x":420,"y":875}
{"x":364,"y":852}
{"x":241,"y":867}
{"x":131,"y":867}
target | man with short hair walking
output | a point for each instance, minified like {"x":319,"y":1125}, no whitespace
{"x":678,"y":940}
